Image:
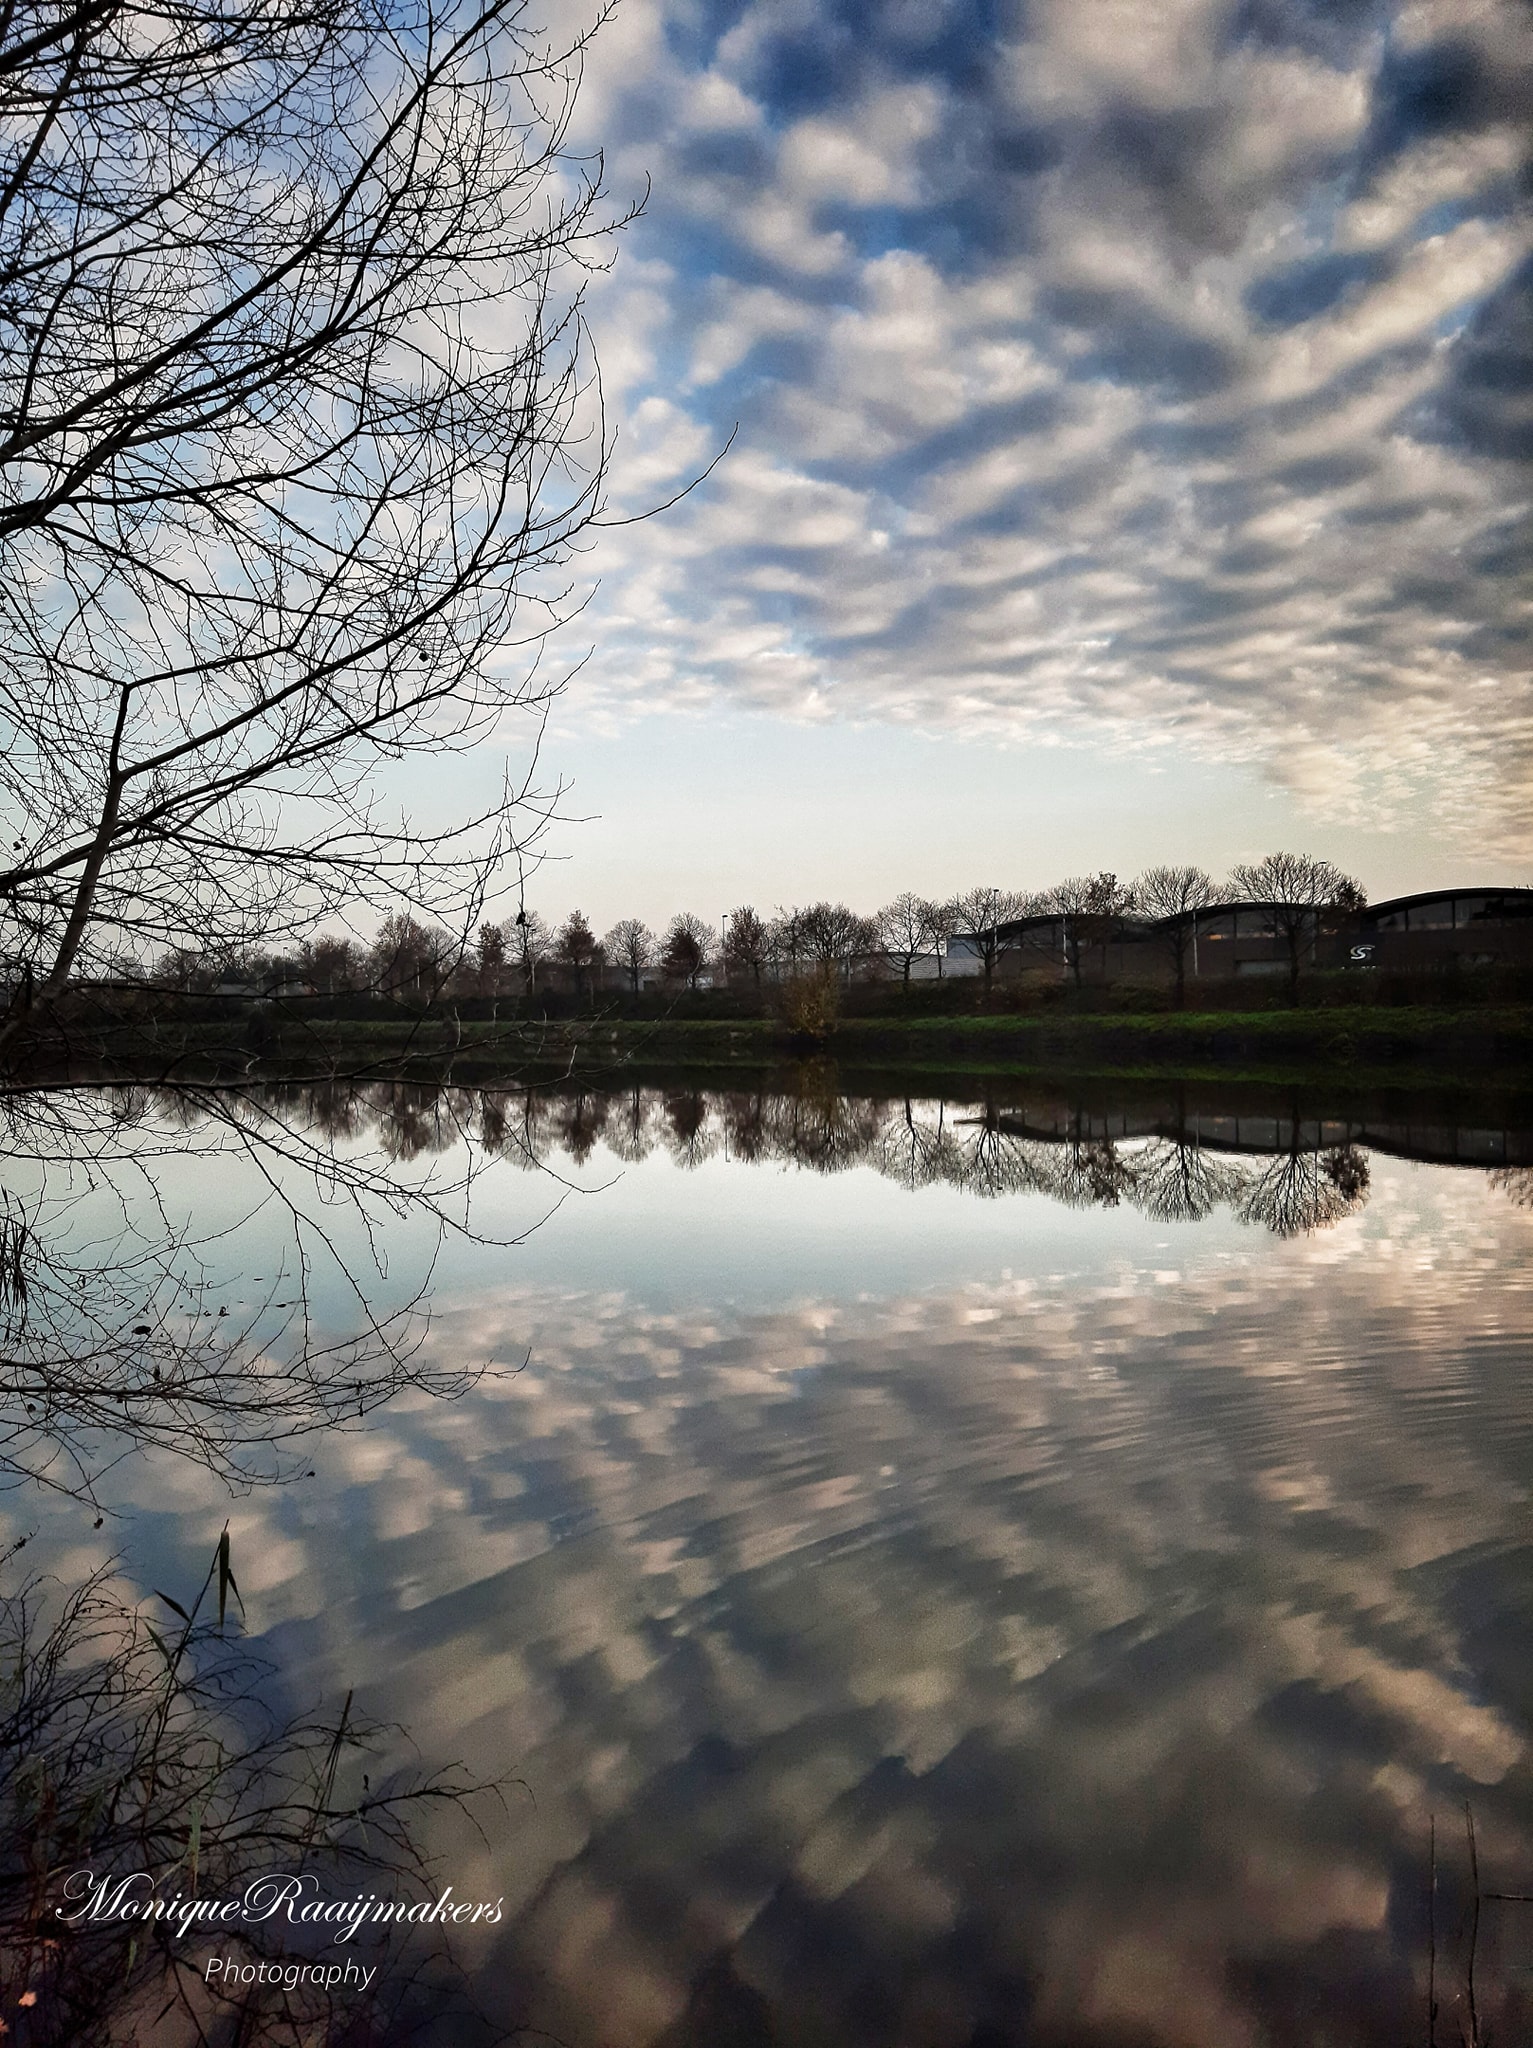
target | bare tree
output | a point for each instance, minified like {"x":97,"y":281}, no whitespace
{"x":409,"y":960}
{"x":180,"y":968}
{"x":530,"y":945}
{"x":1173,"y":896}
{"x":1176,"y":1180}
{"x":915,"y":1152}
{"x":687,"y":939}
{"x":332,"y":963}
{"x":939,"y":922}
{"x":630,"y":945}
{"x":1089,"y":908}
{"x":1306,"y":1188}
{"x":905,"y":930}
{"x":785,"y":936}
{"x":294,"y":421}
{"x":980,"y":915}
{"x":1110,"y":902}
{"x":1072,"y":1159}
{"x":747,"y":943}
{"x":834,"y":935}
{"x":1070,"y":901}
{"x":121,"y":1319}
{"x":1300,"y":893}
{"x":1516,"y":1183}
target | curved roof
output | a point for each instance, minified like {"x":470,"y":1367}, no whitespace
{"x":1502,"y":892}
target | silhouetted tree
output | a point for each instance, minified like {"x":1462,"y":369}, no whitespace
{"x":1516,"y":1183}
{"x":126,"y":1333}
{"x":527,"y":936}
{"x":1306,"y":1189}
{"x":332,"y":963}
{"x":687,"y":938}
{"x":939,"y":922}
{"x":905,"y":930}
{"x":1173,"y":896}
{"x":630,"y":945}
{"x":1179,"y":1181}
{"x":1088,"y":908}
{"x":490,"y":958}
{"x":577,"y":948}
{"x":918,"y":1153}
{"x":1300,"y":893}
{"x":833,"y":935}
{"x":747,"y":943}
{"x":409,"y":960}
{"x":786,"y":940}
{"x":979,"y":916}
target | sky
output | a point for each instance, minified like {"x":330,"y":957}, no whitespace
{"x":1123,"y":413}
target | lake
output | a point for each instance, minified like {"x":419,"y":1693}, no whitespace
{"x":937,"y":1571}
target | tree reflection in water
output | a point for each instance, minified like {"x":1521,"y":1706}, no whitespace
{"x":1178,"y":1182}
{"x":127,"y":1321}
{"x":1515,"y":1182}
{"x":215,"y":1275}
{"x":126,"y":1747}
{"x":1174,"y":1176}
{"x":122,"y":1326}
{"x":1301,"y":1190}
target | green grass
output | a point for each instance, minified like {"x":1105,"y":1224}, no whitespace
{"x":1404,"y":1045}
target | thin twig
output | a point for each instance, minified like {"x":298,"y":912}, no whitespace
{"x":1474,"y":1928}
{"x":1432,"y":1938}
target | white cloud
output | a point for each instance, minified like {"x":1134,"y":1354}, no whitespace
{"x":1434,"y":173}
{"x":1025,"y":461}
{"x":866,"y":157}
{"x":1443,"y":275}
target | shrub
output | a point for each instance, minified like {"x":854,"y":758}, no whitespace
{"x":808,"y":1003}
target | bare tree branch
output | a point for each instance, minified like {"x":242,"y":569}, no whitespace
{"x":299,"y":426}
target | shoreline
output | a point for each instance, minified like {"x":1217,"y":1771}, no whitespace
{"x":1417,"y":1047}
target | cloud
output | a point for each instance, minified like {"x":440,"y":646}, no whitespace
{"x":1159,"y":375}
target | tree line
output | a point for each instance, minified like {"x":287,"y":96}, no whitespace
{"x":407,"y":958}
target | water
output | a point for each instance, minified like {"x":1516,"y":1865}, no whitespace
{"x":944,"y":1573}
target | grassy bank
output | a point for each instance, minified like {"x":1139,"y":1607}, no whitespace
{"x":1421,"y":1045}
{"x":1431,"y":1044}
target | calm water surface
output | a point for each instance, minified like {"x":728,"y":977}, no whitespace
{"x":952,"y":1582}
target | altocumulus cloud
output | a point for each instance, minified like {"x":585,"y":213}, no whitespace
{"x":1155,"y":372}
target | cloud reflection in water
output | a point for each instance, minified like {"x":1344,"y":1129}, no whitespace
{"x":1025,"y":1660}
